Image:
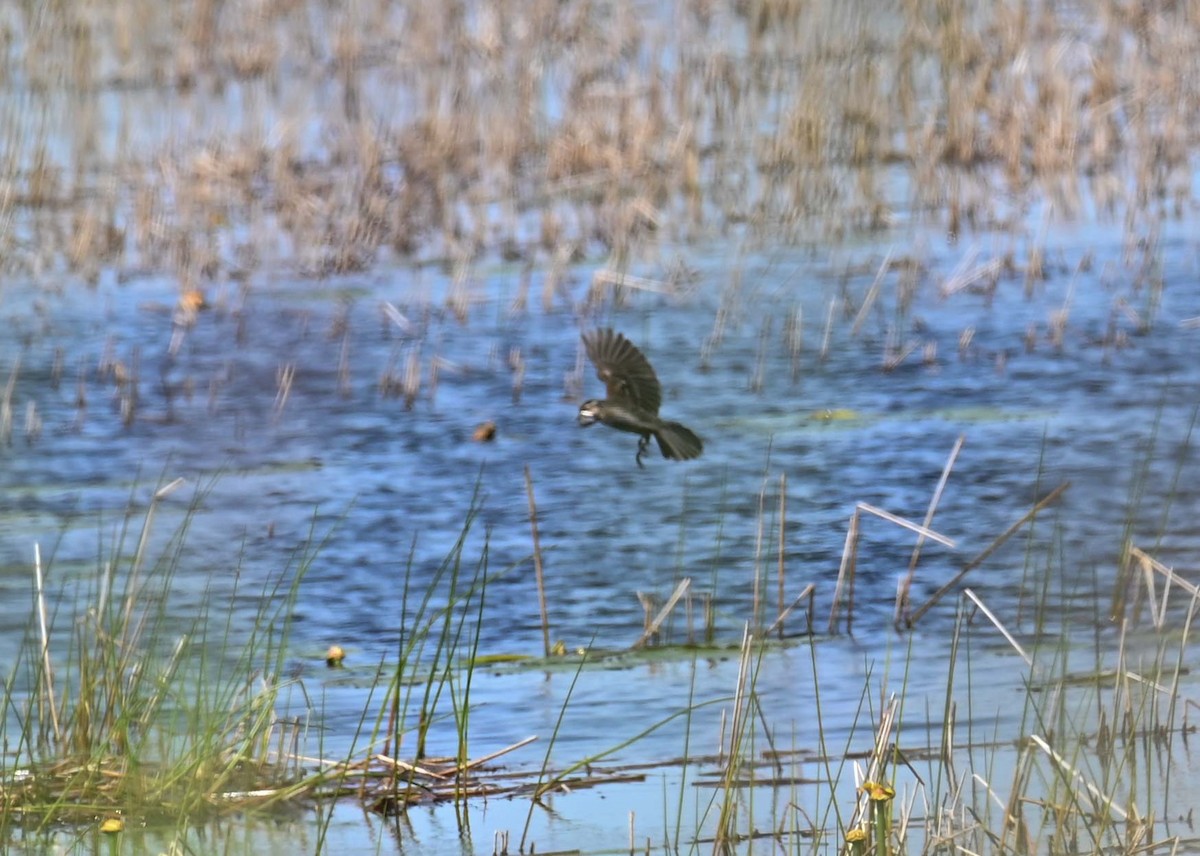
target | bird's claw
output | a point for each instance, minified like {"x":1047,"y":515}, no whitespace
{"x":642,"y":444}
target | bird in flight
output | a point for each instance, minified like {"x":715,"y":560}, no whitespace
{"x":634,"y":396}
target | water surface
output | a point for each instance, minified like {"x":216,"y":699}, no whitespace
{"x":391,"y":484}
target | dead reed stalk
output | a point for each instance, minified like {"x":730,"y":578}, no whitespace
{"x":680,"y":590}
{"x":1045,"y":502}
{"x":845,"y":579}
{"x":537,"y":563}
{"x":46,"y":696}
{"x":782,"y":541}
{"x":902,"y":596}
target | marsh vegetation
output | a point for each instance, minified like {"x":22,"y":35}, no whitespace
{"x":292,"y":295}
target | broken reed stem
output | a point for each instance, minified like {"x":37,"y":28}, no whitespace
{"x":615,"y":278}
{"x":872,"y":295}
{"x":6,"y":411}
{"x":962,"y":278}
{"x":845,"y":578}
{"x":43,"y":629}
{"x":806,"y":594}
{"x":782,"y":533}
{"x":537,"y":562}
{"x":1157,"y":607}
{"x":893,"y":359}
{"x":923,"y":531}
{"x":652,"y":627}
{"x":999,"y":803}
{"x":906,"y":583}
{"x":1071,"y":773}
{"x":1049,"y":499}
{"x":493,"y":756}
{"x":850,"y":551}
{"x":974,"y":598}
{"x":1150,"y":566}
{"x":284,"y":375}
{"x":828,"y":329}
{"x":405,"y":767}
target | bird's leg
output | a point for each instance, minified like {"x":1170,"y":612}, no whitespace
{"x":642,"y":444}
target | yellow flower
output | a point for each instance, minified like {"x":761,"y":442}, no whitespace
{"x":882,"y":793}
{"x":855,"y":835}
{"x":111,"y":825}
{"x":878,"y":791}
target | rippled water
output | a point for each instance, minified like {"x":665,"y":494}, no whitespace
{"x":1109,"y":405}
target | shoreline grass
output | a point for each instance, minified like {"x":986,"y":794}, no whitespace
{"x":139,"y":721}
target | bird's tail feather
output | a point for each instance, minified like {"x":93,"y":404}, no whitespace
{"x":678,"y":442}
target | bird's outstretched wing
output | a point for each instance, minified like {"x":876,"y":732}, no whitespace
{"x":624,"y":369}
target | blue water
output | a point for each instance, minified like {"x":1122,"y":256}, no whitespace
{"x":391,"y":487}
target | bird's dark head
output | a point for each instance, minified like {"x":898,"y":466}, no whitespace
{"x":589,"y":412}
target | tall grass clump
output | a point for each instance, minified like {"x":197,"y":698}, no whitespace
{"x":116,"y":705}
{"x":119,"y":711}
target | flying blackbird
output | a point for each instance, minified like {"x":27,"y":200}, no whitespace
{"x":634,"y":396}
